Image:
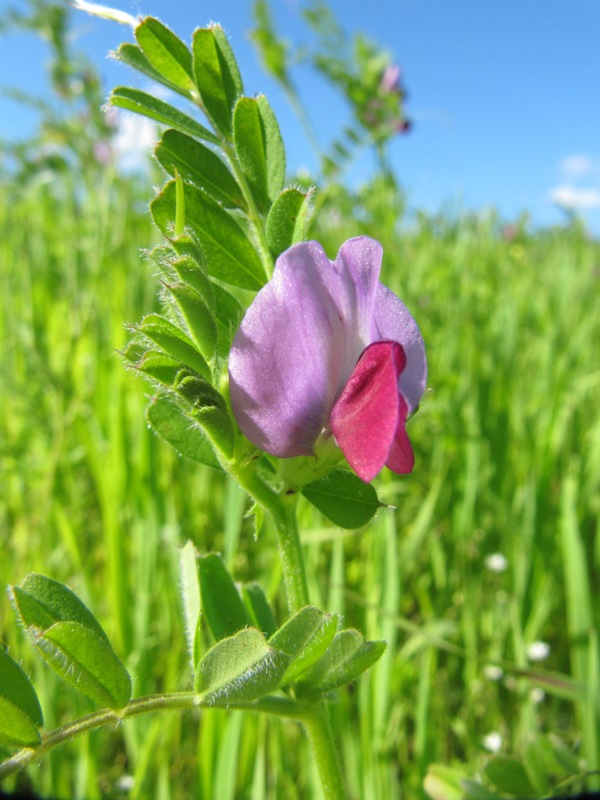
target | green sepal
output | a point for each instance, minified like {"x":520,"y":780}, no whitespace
{"x":149,"y":106}
{"x":305,"y":637}
{"x":240,"y":670}
{"x":71,"y":640}
{"x":175,"y":343}
{"x":509,"y":775}
{"x":133,"y":56}
{"x":259,"y":608}
{"x":171,"y":423}
{"x":217,"y":76}
{"x":221,"y":603}
{"x":229,"y":254}
{"x":288,"y":220}
{"x":343,"y":498}
{"x":347,"y":657}
{"x":198,"y":318}
{"x":166,"y":53}
{"x":189,"y":583}
{"x":259,"y":148}
{"x":199,"y":165}
{"x":20,"y":711}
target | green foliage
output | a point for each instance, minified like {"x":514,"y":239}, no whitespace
{"x":21,"y":715}
{"x":217,"y":76}
{"x":343,"y":498}
{"x":240,"y":669}
{"x":71,"y":641}
{"x":288,"y":220}
{"x":305,"y":637}
{"x":260,"y":149}
{"x":168,"y":420}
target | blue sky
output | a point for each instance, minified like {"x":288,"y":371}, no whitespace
{"x":504,"y":94}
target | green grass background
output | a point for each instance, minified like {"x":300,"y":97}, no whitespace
{"x":507,"y":445}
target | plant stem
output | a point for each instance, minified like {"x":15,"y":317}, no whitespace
{"x":290,"y":551}
{"x":278,"y":706}
{"x":318,"y":729}
{"x":283,"y":511}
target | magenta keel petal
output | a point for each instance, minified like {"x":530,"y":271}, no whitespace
{"x":401,"y":458}
{"x":365,"y":418}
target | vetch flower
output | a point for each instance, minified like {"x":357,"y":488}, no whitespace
{"x":326,"y":350}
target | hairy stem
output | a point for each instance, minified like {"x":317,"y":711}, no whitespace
{"x":318,"y":728}
{"x":278,"y":706}
{"x":283,"y":512}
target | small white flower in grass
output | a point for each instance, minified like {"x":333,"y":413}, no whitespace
{"x":496,"y":562}
{"x":493,"y":742}
{"x":537,"y":694}
{"x":492,"y":672}
{"x":125,"y":783}
{"x":538,"y":651}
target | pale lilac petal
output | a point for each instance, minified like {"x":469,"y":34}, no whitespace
{"x":365,"y":418}
{"x":299,"y":342}
{"x":393,"y":321}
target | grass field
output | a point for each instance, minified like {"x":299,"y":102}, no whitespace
{"x":507,"y":445}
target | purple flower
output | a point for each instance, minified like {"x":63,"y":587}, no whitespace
{"x":325,"y":349}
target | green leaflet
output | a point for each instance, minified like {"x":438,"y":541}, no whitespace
{"x":305,"y":637}
{"x":71,"y":640}
{"x":196,"y":163}
{"x":149,"y":106}
{"x":348,"y":656}
{"x":217,"y":76}
{"x":221,"y":602}
{"x":259,"y":608}
{"x":343,"y":498}
{"x":20,"y":712}
{"x":240,"y":669}
{"x":170,"y":422}
{"x":229,"y":254}
{"x":259,"y":147}
{"x":175,"y":343}
{"x":190,"y":598}
{"x":166,"y":53}
{"x":288,"y":220}
{"x":134,"y":56}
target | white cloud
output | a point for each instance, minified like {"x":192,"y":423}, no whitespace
{"x":576,"y":198}
{"x":134,"y":141}
{"x":579,"y":189}
{"x":579,"y":166}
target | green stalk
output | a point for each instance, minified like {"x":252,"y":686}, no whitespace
{"x":318,"y":728}
{"x":278,"y":706}
{"x":283,"y":513}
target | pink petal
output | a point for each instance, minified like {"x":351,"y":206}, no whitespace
{"x":368,"y":415}
{"x":401,"y":458}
